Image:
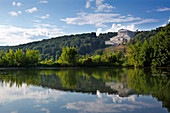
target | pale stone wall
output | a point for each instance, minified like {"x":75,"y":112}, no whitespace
{"x":123,"y":34}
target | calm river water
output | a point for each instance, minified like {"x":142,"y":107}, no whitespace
{"x":77,"y":90}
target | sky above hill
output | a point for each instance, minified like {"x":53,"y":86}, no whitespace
{"x":24,"y":21}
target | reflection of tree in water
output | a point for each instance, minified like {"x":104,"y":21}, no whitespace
{"x":151,"y":82}
{"x":17,"y":77}
{"x":143,"y":81}
{"x":68,"y":77}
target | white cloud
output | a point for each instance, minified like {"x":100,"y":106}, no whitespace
{"x":146,"y":21}
{"x":116,"y":27}
{"x":169,"y":19}
{"x":103,"y":7}
{"x":98,"y":19}
{"x":43,"y":2}
{"x":129,"y":15}
{"x":13,"y":3}
{"x":99,"y":30}
{"x":163,"y":9}
{"x":164,"y":25}
{"x":88,"y":3}
{"x":99,"y":2}
{"x":13,"y":13}
{"x":46,"y":16}
{"x":16,"y":4}
{"x":10,"y":35}
{"x":19,"y":4}
{"x":100,"y":6}
{"x":19,"y":12}
{"x":31,"y":10}
{"x":38,"y":21}
{"x":44,"y":25}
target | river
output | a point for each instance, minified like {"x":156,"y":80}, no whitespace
{"x":85,"y":90}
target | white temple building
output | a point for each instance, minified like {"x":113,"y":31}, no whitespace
{"x":123,"y":37}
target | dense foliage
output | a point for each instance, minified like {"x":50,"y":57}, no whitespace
{"x":19,"y":57}
{"x":69,"y":55}
{"x":155,"y":53}
{"x":142,"y":35}
{"x":84,"y":43}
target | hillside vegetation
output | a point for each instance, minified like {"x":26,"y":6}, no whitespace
{"x":84,"y":43}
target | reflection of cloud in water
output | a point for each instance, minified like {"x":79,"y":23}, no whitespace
{"x":45,"y":109}
{"x":117,"y":98}
{"x":9,"y":94}
{"x":100,"y":106}
{"x":103,"y":105}
{"x":14,"y":112}
{"x":99,"y":94}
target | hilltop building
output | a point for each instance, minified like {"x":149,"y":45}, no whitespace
{"x":123,"y":37}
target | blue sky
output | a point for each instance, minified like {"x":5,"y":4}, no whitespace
{"x":24,"y":21}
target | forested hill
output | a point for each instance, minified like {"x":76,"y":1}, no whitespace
{"x":85,"y":43}
{"x":142,"y":35}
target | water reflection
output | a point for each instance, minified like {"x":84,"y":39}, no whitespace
{"x":85,"y":90}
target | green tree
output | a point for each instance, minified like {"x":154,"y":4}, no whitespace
{"x":69,"y":55}
{"x":145,"y":54}
{"x":160,"y":44}
{"x":134,"y":54}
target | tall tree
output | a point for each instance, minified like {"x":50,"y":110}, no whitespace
{"x":69,"y":55}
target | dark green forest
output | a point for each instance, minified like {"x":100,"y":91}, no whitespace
{"x":84,"y":43}
{"x":154,"y":51}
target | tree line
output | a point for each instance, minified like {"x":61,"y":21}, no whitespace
{"x":19,"y":57}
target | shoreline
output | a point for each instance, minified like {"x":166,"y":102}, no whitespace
{"x":77,"y":67}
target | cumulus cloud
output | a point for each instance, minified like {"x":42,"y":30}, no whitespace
{"x":99,"y":30}
{"x":19,"y":12}
{"x":98,"y":19}
{"x":13,"y":13}
{"x":46,"y":16}
{"x":19,"y":4}
{"x":169,"y":19}
{"x":31,"y":10}
{"x":116,"y":27}
{"x":16,"y":4}
{"x":103,"y":7}
{"x":100,"y":6}
{"x":43,"y":2}
{"x":163,"y":9}
{"x":13,"y":3}
{"x":11,"y":35}
{"x":88,"y":3}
